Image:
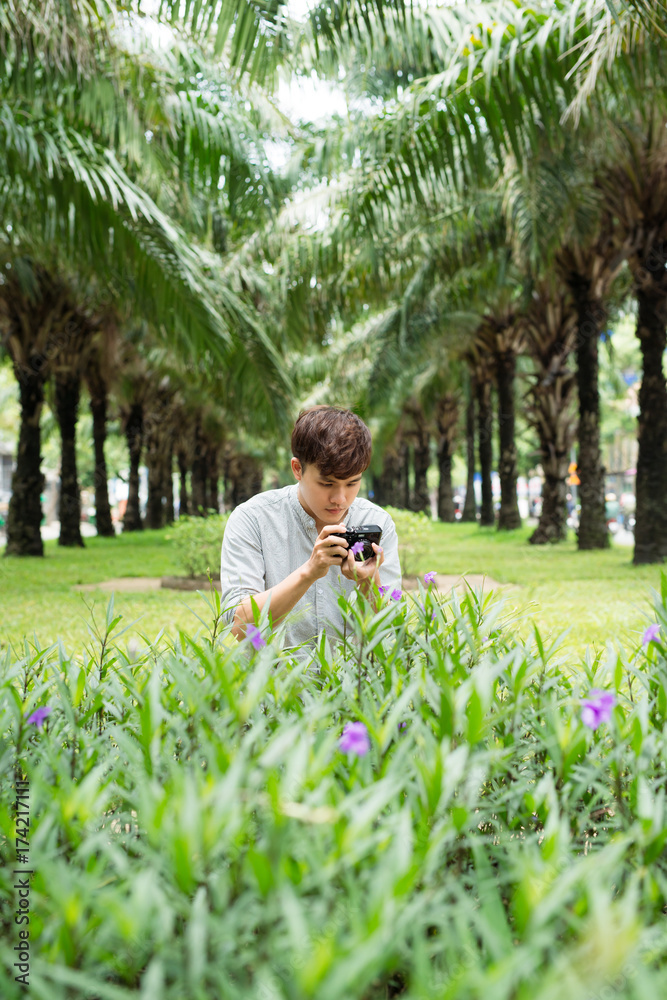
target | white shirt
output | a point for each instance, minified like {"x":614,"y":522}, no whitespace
{"x":271,"y":535}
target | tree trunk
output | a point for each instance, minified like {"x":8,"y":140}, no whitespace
{"x":592,"y":532}
{"x":168,"y":484}
{"x":552,"y":526}
{"x":556,"y":433}
{"x":154,"y":503}
{"x":67,"y":393}
{"x":98,"y":409}
{"x":183,"y":502}
{"x":485,"y":424}
{"x":446,"y":510}
{"x":447,"y":412}
{"x":159,"y":460}
{"x":419,"y":500}
{"x":508,"y":515}
{"x":134,"y":430}
{"x":155,"y":513}
{"x":552,"y":326}
{"x":387,"y":485}
{"x":651,"y":523}
{"x":198,"y":479}
{"x":36,"y":327}
{"x":25,"y":508}
{"x":213,"y":480}
{"x":469,"y":512}
{"x":404,"y":480}
{"x":244,"y":476}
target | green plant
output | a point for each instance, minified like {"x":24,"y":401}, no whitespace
{"x":414,"y":537}
{"x":197,"y":541}
{"x":197,"y":831}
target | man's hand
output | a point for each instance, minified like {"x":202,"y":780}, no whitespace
{"x":328,"y":551}
{"x":360,"y":571}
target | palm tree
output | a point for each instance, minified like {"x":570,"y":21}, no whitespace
{"x":86,"y":184}
{"x":551,"y":328}
{"x":133,"y":389}
{"x":447,"y":413}
{"x":35,"y":313}
{"x":100,"y":371}
{"x":587,"y":273}
{"x":636,"y":191}
{"x":469,"y":512}
{"x":482,"y":378}
{"x":160,"y":409}
{"x":67,"y":371}
{"x":502,"y":336}
{"x":526,"y":73}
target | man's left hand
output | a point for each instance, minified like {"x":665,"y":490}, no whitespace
{"x":359,"y":571}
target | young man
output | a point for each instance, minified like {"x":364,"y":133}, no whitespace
{"x":288,"y":545}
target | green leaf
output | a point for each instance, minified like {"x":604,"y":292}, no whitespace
{"x":262,"y":870}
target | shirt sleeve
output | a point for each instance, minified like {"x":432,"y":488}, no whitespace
{"x":242,"y":570}
{"x":390,"y":570}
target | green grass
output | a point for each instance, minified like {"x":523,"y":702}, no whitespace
{"x":38,"y":599}
{"x":599,"y":596}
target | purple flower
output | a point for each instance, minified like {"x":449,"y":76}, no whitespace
{"x":424,"y":610}
{"x":255,"y":636}
{"x":651,"y":634}
{"x":396,"y":595}
{"x":383,"y":591}
{"x":430,"y":577}
{"x":402,"y":725}
{"x":355,"y":739}
{"x":596,"y":708}
{"x":38,"y":716}
{"x":357,"y":547}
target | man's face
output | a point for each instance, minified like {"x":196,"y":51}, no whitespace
{"x":325,"y":498}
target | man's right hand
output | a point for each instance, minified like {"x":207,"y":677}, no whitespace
{"x":329,"y":550}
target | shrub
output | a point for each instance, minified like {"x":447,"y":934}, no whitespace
{"x":197,"y":831}
{"x":197,"y":541}
{"x":413,"y":537}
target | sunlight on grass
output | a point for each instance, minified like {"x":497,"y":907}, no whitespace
{"x":597,"y":596}
{"x":38,"y":599}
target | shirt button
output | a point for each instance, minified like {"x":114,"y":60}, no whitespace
{"x":319,"y":590}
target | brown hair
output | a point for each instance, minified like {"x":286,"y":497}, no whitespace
{"x":334,"y":440}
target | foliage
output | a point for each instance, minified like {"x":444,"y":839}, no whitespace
{"x":197,"y":541}
{"x":414,"y":537}
{"x":196,"y":831}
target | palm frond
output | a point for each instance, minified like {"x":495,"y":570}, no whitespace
{"x":621,"y":34}
{"x":256,"y":36}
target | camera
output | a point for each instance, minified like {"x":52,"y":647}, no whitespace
{"x":365,"y":533}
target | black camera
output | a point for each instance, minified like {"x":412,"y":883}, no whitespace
{"x":365,"y":533}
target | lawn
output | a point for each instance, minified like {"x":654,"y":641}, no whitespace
{"x":597,"y":596}
{"x":38,"y":599}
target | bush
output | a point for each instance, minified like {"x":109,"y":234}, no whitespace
{"x":197,"y":541}
{"x":196,"y":830}
{"x":413,"y":537}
